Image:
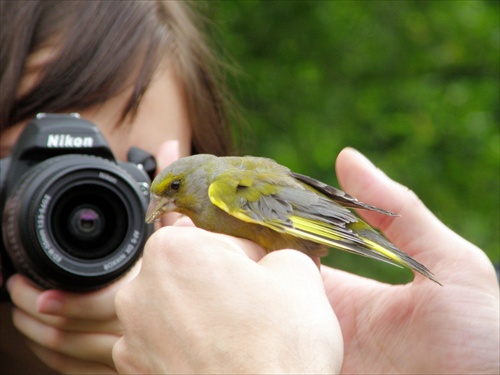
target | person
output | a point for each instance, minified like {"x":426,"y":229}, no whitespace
{"x":217,"y":304}
{"x":204,"y":302}
{"x":144,"y":74}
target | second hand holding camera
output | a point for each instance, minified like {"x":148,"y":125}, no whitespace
{"x":73,"y":216}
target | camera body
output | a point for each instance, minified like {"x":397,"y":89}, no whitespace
{"x":72,"y":216}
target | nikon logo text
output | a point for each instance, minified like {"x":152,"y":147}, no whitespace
{"x":68,"y":141}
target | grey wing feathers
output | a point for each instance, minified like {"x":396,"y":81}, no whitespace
{"x":269,"y":208}
{"x":338,"y":195}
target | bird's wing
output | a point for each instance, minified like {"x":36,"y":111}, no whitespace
{"x":248,"y":196}
{"x":307,"y":209}
{"x":286,"y":207}
{"x":338,"y":195}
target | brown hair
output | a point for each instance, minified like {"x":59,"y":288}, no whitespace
{"x":103,"y":47}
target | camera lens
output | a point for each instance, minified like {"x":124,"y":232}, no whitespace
{"x":86,"y":223}
{"x":75,"y":222}
{"x":89,"y":220}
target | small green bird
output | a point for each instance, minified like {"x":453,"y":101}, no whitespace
{"x":263,"y":201}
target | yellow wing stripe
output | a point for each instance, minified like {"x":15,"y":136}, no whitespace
{"x":317,"y":231}
{"x":316,"y":238}
{"x":382,"y":250}
{"x":314,"y":227}
{"x":307,"y":229}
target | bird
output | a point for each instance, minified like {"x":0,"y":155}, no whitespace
{"x":258,"y":199}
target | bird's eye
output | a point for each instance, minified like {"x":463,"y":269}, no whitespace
{"x":175,"y":185}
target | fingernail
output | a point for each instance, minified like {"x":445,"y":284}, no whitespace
{"x":48,"y":305}
{"x":362,"y":157}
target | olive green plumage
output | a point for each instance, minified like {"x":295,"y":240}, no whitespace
{"x":263,"y":201}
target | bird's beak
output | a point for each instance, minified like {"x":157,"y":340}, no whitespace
{"x":158,"y":206}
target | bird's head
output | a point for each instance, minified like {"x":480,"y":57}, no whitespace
{"x":180,"y":187}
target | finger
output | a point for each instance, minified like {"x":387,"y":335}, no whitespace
{"x":23,"y":292}
{"x":167,"y":153}
{"x":416,"y":224}
{"x":190,"y":239}
{"x":119,"y":355}
{"x":77,"y":325}
{"x":417,"y":231}
{"x":95,"y":305}
{"x":84,"y":346}
{"x":360,"y":178}
{"x":183,"y":221}
{"x":124,"y":362}
{"x":25,"y":296}
{"x":69,"y":365}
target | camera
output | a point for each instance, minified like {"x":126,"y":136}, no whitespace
{"x":72,"y":215}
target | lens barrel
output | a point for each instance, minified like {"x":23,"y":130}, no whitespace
{"x":75,"y":222}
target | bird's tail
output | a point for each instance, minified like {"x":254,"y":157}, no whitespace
{"x":379,"y":244}
{"x":359,"y":238}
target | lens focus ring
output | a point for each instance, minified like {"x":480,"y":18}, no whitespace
{"x":75,"y":222}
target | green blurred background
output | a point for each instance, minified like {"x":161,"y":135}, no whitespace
{"x":414,"y":85}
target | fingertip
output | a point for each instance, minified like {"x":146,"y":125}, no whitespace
{"x":18,"y":282}
{"x":50,"y":302}
{"x":116,"y":353}
{"x":356,"y":173}
{"x":168,"y":152}
{"x":11,"y":282}
{"x":122,"y":358}
{"x":362,"y":179}
{"x":352,"y":153}
{"x":412,"y":230}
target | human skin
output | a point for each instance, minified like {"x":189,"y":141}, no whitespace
{"x":219,"y":304}
{"x":419,"y":327}
{"x":75,"y":332}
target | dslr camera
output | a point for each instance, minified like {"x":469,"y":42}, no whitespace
{"x":72,"y":215}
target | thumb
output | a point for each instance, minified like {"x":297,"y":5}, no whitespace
{"x":416,"y":231}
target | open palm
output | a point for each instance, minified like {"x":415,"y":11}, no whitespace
{"x":420,"y":327}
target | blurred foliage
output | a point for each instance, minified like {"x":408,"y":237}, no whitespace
{"x":414,"y":85}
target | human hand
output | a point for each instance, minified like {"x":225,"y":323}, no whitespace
{"x":74,"y":332}
{"x":167,"y":153}
{"x":69,"y":332}
{"x":210,"y":303}
{"x":419,"y":327}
